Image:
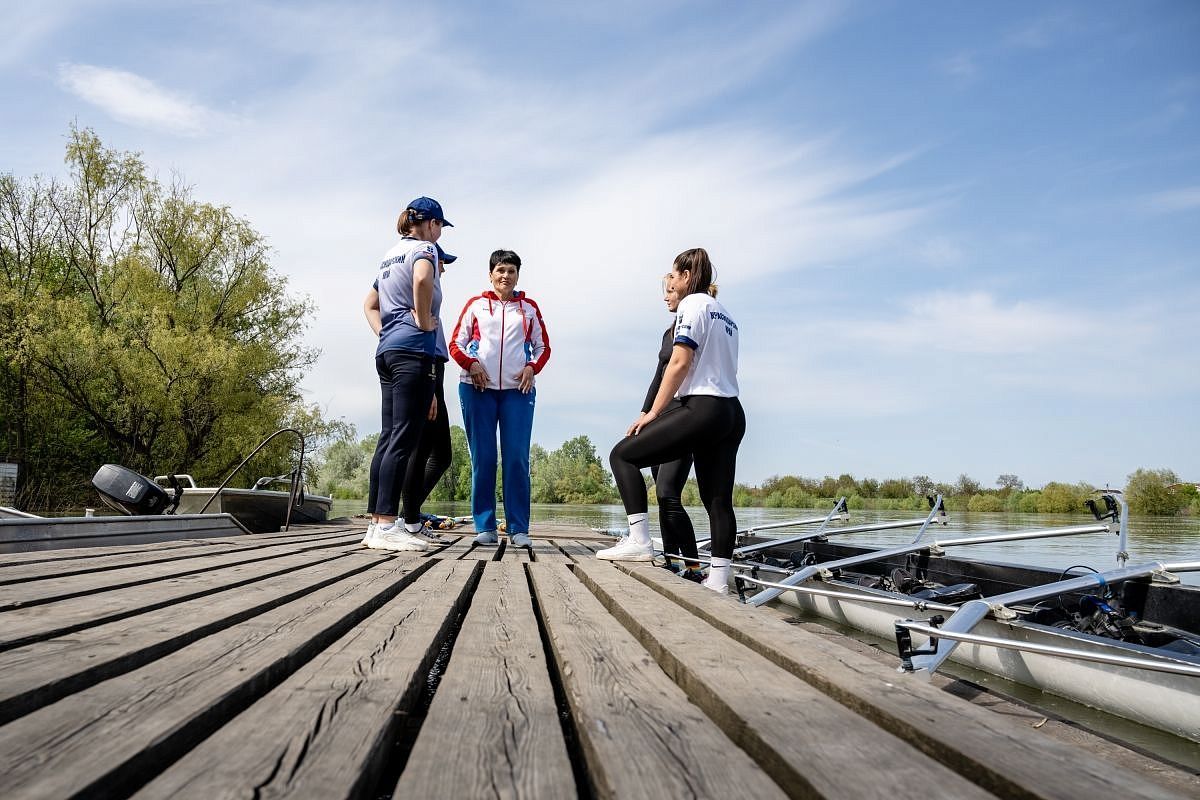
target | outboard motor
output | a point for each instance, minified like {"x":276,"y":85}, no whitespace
{"x":131,"y":493}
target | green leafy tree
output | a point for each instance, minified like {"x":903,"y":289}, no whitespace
{"x":966,"y":486}
{"x":571,"y":474}
{"x":923,"y":485}
{"x":154,"y":321}
{"x":1063,"y":498}
{"x":896,"y":488}
{"x":1148,"y":491}
{"x":985,"y":502}
{"x":1009,"y":483}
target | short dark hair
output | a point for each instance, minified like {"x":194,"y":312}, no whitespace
{"x":504,"y":257}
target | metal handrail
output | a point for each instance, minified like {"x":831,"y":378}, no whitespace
{"x":296,"y":489}
{"x":1051,"y":650}
{"x":917,"y":605}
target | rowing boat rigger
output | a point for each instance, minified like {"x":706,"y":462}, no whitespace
{"x":1126,"y":641}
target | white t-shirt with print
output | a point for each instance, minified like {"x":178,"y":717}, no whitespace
{"x":702,"y":324}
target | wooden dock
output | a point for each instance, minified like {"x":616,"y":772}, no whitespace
{"x":303,"y":665}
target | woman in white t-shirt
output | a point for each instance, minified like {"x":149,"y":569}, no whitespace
{"x":707,"y":423}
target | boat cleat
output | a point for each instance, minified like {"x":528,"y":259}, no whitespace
{"x":1003,"y":612}
{"x":1162,"y":576}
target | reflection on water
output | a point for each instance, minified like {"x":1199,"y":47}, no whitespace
{"x":1150,"y":538}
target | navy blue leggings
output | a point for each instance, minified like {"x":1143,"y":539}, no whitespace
{"x":406,"y":386}
{"x":707,"y":428}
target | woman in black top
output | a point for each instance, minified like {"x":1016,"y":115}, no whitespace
{"x":678,"y":536}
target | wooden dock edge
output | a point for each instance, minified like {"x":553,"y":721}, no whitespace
{"x":991,"y":751}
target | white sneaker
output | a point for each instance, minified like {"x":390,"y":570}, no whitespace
{"x":370,"y":536}
{"x":398,"y":539}
{"x":627,"y":550}
{"x":719,"y":588}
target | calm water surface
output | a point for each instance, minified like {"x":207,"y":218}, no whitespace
{"x":1150,"y":538}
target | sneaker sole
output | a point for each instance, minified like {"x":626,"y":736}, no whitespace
{"x":402,"y":548}
{"x":639,"y":557}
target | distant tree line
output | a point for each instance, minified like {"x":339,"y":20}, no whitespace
{"x":1148,"y":492}
{"x":571,"y":474}
{"x":142,"y":327}
{"x":574,"y":473}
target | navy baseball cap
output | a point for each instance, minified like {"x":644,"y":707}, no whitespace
{"x":443,"y":256}
{"x":428,"y":208}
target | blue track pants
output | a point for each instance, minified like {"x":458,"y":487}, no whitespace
{"x":511,"y":412}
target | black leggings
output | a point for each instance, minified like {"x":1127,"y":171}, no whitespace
{"x":678,"y":536}
{"x":707,"y":428}
{"x":432,"y":457}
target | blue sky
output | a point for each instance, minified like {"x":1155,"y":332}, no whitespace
{"x":957,"y":238}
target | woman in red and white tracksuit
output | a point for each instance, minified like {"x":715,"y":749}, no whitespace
{"x":501,"y":343}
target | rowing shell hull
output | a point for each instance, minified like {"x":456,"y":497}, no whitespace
{"x":1160,"y":700}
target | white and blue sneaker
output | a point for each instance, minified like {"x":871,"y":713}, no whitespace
{"x":520,"y":540}
{"x":486,"y":537}
{"x":397,"y":539}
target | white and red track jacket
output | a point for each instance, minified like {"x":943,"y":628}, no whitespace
{"x":504,"y":336}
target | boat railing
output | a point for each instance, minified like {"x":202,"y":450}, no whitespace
{"x":972,"y":612}
{"x":915,"y":604}
{"x":296,"y":489}
{"x":934,"y":634}
{"x":937,"y":548}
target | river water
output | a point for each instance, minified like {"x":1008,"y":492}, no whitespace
{"x":1163,"y":539}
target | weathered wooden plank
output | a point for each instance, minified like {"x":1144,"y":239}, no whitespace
{"x":26,"y":625}
{"x":449,"y":541}
{"x":494,"y":715}
{"x":996,"y":753}
{"x":482,"y":553}
{"x":639,"y":734}
{"x":547,"y":552}
{"x":326,"y":730}
{"x":573,"y":549}
{"x":1036,"y":722}
{"x":42,"y":673}
{"x":454,"y":551}
{"x":110,"y":738}
{"x":808,"y":743}
{"x":11,"y":560}
{"x":515,"y":555}
{"x":21,"y":595}
{"x":106,"y":560}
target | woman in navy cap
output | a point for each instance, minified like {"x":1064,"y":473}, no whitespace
{"x":434,"y":451}
{"x":402,"y":309}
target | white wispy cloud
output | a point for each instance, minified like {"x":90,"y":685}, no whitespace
{"x":140,"y":102}
{"x":977,"y":323}
{"x":1173,"y":200}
